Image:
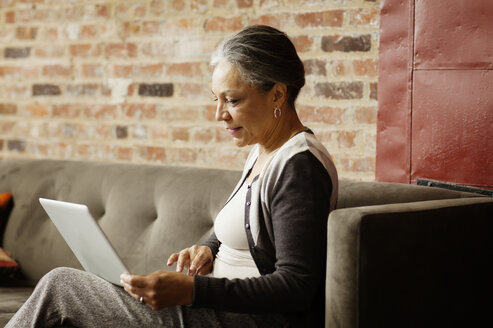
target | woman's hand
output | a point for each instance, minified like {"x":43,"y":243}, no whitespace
{"x":159,"y":289}
{"x":195,"y":259}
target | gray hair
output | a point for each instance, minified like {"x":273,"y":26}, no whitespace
{"x":263,"y":56}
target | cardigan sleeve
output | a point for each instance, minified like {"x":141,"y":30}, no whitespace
{"x":299,"y":211}
{"x":213,"y":243}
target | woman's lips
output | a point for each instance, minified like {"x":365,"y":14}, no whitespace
{"x":233,"y":131}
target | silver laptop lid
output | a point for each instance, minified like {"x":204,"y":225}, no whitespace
{"x":86,"y":239}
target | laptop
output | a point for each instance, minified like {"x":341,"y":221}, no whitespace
{"x":86,"y":239}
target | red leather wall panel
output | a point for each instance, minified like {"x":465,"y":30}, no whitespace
{"x":435,"y":92}
{"x":452,"y":126}
{"x":454,"y":34}
{"x":394,"y":97}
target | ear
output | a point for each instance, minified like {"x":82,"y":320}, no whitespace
{"x":280,"y":94}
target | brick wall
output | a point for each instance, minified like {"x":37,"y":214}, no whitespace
{"x":129,"y":81}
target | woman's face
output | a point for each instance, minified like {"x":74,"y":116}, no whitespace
{"x":246,"y":111}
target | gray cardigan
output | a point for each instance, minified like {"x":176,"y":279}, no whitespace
{"x":285,"y":221}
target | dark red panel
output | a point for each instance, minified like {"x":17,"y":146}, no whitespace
{"x":394,"y":85}
{"x":454,"y":34}
{"x":452,"y":126}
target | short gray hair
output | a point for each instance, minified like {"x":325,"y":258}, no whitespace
{"x":263,"y":56}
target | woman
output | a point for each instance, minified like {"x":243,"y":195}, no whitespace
{"x":264,"y":266}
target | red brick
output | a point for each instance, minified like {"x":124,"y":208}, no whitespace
{"x":177,"y":5}
{"x":16,"y":145}
{"x":366,"y":115}
{"x":280,"y":21}
{"x":198,"y":6}
{"x":52,"y":51}
{"x":152,"y":154}
{"x":244,"y":3}
{"x":346,"y":139}
{"x":38,"y":110}
{"x":194,"y":91}
{"x":151,"y":70}
{"x":139,"y":11}
{"x":26,"y":32}
{"x":346,"y":43}
{"x":30,"y":15}
{"x":16,"y":91}
{"x":340,"y":68}
{"x":11,"y":52}
{"x":366,"y":164}
{"x":92,"y":70}
{"x":160,"y":49}
{"x":222,"y":135}
{"x":210,"y":113}
{"x":222,"y":24}
{"x":185,"y":69}
{"x":181,"y":113}
{"x":183,"y":155}
{"x":302,"y":43}
{"x":124,"y":153}
{"x":178,"y":25}
{"x":121,"y":50}
{"x":315,"y":67}
{"x":157,"y":7}
{"x":137,"y":111}
{"x":131,"y":29}
{"x":45,"y":90}
{"x":106,"y":112}
{"x":328,"y":115}
{"x":57,"y":71}
{"x":366,"y":67}
{"x":123,"y":71}
{"x":180,"y":134}
{"x":151,"y":27}
{"x":89,"y":31}
{"x":339,"y":90}
{"x":219,"y":3}
{"x":8,"y":109}
{"x":77,"y":90}
{"x":159,"y":132}
{"x":66,"y":110}
{"x":7,"y":127}
{"x":331,"y":18}
{"x":85,"y":50}
{"x":364,"y":17}
{"x":269,"y":4}
{"x":373,"y":90}
{"x":203,"y":135}
{"x":10,"y":17}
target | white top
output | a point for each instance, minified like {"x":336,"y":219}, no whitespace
{"x":233,"y":260}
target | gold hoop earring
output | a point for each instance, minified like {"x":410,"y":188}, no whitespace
{"x":277,"y":112}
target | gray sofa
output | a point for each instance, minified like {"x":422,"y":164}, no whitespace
{"x":397,"y":255}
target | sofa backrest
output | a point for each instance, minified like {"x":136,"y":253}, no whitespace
{"x":357,"y":193}
{"x":145,"y":210}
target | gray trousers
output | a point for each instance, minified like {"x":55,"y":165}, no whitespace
{"x":69,"y":297}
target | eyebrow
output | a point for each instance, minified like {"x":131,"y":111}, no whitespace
{"x":225,"y":91}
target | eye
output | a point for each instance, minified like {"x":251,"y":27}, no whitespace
{"x":231,"y":101}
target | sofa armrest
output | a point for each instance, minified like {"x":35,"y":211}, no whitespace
{"x":410,"y":264}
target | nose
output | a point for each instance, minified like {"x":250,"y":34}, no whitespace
{"x":221,"y":113}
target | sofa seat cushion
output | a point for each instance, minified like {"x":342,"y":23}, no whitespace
{"x":11,"y":299}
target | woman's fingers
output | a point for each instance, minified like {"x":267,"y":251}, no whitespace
{"x":196,"y":259}
{"x":201,"y":260}
{"x":183,"y":260}
{"x":173,"y":258}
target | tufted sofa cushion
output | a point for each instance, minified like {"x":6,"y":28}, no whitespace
{"x":146,"y":211}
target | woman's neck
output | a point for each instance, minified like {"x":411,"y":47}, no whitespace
{"x":289,"y":125}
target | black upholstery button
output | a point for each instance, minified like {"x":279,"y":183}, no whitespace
{"x":247,"y":226}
